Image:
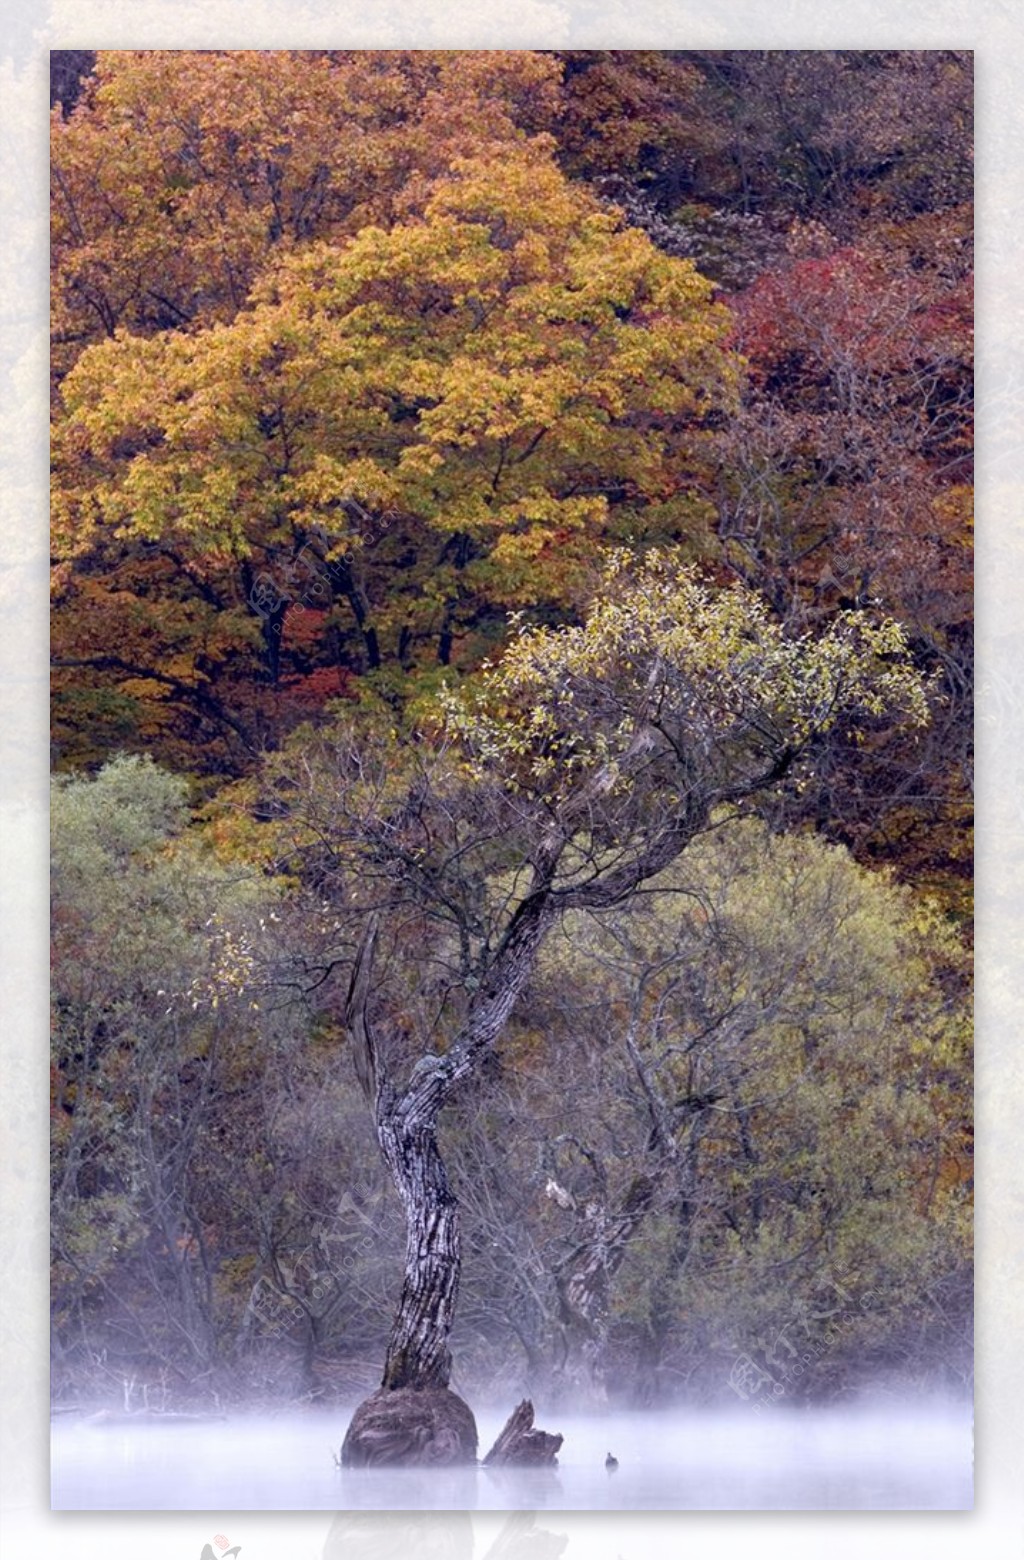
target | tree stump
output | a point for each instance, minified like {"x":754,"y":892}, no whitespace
{"x":430,"y":1428}
{"x":521,"y":1446}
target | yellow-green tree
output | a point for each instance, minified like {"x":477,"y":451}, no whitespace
{"x":575,"y":772}
{"x":404,"y":435}
{"x":768,"y":1067}
{"x":181,"y":170}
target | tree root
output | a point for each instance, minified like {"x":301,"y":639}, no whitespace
{"x":431,"y":1428}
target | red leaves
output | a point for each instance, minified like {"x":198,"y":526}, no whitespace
{"x":849,"y":311}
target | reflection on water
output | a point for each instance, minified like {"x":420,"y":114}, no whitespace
{"x":383,"y":1535}
{"x":890,"y":1459}
{"x":407,"y":1489}
{"x":435,"y":1535}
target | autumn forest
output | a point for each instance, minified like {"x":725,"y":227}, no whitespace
{"x":512,"y":667}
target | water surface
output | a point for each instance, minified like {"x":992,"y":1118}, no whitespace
{"x":878,"y":1459}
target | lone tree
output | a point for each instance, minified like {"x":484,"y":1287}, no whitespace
{"x":565,"y":778}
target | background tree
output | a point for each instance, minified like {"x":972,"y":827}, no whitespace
{"x":846,"y":478}
{"x":826,"y":134}
{"x":765,"y":1057}
{"x":403,"y":436}
{"x":68,"y":69}
{"x":198,"y":1125}
{"x":716,"y":153}
{"x":132,"y":1062}
{"x":181,"y":171}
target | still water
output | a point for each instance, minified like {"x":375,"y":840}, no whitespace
{"x":877,"y":1459}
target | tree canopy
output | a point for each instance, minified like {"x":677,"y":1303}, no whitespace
{"x":404,"y":436}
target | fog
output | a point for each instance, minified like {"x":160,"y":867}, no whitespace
{"x":883,"y":1457}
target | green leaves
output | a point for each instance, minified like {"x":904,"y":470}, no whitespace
{"x":666,"y":665}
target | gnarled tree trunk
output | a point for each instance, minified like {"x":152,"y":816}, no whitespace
{"x":418,"y":1355}
{"x":414,"y":1417}
{"x":584,"y":1281}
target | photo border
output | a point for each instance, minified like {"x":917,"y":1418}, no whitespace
{"x":992,"y":29}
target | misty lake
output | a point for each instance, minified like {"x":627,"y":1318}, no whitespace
{"x":881,"y":1458}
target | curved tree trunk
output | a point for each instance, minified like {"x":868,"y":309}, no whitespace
{"x":418,"y":1354}
{"x":414,"y":1417}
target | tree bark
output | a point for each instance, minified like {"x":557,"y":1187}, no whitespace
{"x":583,"y":1282}
{"x":418,"y":1354}
{"x":427,"y":1427}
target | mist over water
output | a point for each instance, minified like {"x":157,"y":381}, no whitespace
{"x":884,"y":1457}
